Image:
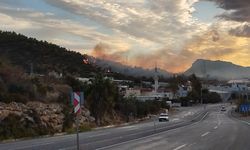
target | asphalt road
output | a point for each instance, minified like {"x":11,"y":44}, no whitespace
{"x":208,"y":129}
{"x":217,"y":131}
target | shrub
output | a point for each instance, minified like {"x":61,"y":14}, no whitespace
{"x":12,"y":127}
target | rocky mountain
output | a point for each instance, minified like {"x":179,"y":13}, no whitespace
{"x":127,"y":70}
{"x":218,"y":69}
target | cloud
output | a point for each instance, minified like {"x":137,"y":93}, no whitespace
{"x":242,"y":31}
{"x":7,"y":23}
{"x":160,"y":21}
{"x":47,"y":26}
{"x":237,"y":10}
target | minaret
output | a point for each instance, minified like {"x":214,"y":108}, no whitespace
{"x":156,"y":79}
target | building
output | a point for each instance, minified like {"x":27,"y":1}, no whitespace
{"x":238,"y":87}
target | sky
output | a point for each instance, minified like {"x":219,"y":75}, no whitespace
{"x":171,"y":33}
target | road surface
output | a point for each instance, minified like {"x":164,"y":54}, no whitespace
{"x":218,"y":131}
{"x":208,"y":129}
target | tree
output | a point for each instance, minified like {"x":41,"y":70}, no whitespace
{"x":101,"y":98}
{"x":195,"y":94}
{"x":127,"y":107}
{"x":174,"y":85}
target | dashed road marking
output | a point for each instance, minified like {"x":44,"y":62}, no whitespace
{"x":191,"y":144}
{"x":175,"y":119}
{"x":205,"y":134}
{"x":215,"y":127}
{"x":180,"y":147}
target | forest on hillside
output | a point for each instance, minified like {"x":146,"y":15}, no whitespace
{"x":44,"y":57}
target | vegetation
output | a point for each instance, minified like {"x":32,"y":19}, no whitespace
{"x":131,"y":107}
{"x":14,"y":126}
{"x":101,"y":98}
{"x":17,"y":86}
{"x":43,"y":56}
{"x":210,"y":97}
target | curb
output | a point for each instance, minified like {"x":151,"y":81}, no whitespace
{"x":237,"y":118}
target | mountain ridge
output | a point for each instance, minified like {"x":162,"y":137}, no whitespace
{"x":218,"y":69}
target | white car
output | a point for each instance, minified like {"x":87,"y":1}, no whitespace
{"x":223,"y":108}
{"x":163,"y":117}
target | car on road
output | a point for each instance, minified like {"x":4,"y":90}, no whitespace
{"x":163,"y":117}
{"x":223,"y":108}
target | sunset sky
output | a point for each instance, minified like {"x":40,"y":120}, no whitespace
{"x":171,"y":33}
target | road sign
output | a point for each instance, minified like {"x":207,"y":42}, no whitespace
{"x":77,"y":99}
{"x":244,"y":107}
{"x":77,"y":102}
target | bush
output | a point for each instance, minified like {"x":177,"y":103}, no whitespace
{"x":130,"y":106}
{"x":68,"y":118}
{"x":12,"y":127}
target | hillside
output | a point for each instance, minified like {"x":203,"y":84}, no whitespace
{"x":43,"y":56}
{"x":218,"y":69}
{"x":128,"y":70}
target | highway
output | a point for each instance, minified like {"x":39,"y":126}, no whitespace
{"x":207,"y":129}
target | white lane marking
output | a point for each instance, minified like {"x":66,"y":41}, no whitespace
{"x":96,"y":135}
{"x":175,"y":119}
{"x":215,"y":127}
{"x":218,"y":118}
{"x":246,"y":122}
{"x":205,"y":134}
{"x":191,"y":144}
{"x":128,"y":128}
{"x":30,"y":146}
{"x":180,"y":147}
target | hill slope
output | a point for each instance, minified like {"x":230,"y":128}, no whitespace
{"x":44,"y":56}
{"x":218,"y":69}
